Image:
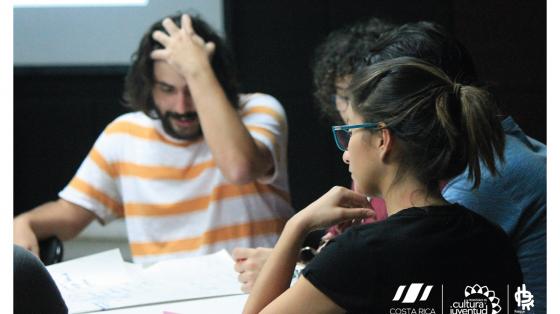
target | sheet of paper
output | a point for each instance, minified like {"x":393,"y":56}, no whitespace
{"x":215,"y":305}
{"x":104,"y":281}
{"x":201,"y":276}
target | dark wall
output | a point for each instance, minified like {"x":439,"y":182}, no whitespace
{"x":59,"y":112}
{"x":508,"y":42}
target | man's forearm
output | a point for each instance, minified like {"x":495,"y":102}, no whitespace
{"x":233,"y":148}
{"x":58,"y":218}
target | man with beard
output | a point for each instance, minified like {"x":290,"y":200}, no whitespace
{"x":196,"y":167}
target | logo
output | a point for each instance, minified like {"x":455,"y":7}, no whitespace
{"x":413,"y":293}
{"x":478,"y":300}
{"x":407,"y":295}
{"x":524,"y":298}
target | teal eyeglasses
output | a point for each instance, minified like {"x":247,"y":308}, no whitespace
{"x":342,"y":133}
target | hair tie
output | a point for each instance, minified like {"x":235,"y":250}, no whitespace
{"x":457,"y":90}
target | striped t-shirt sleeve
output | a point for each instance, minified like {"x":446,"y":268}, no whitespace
{"x":94,"y":185}
{"x":265,"y":118}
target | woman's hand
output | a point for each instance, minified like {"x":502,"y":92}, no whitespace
{"x":338,"y":205}
{"x":183,"y":48}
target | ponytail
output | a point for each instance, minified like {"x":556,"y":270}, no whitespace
{"x":483,"y":130}
{"x":442,"y":127}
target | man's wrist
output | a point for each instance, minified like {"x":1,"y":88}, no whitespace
{"x":202,"y":72}
{"x":21,"y":219}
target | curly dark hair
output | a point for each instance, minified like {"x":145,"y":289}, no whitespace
{"x":430,"y":42}
{"x":341,"y":54}
{"x":140,"y":77}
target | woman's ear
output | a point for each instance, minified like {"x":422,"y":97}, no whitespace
{"x":385,"y":143}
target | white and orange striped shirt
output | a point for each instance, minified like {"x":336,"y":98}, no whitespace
{"x":175,"y":200}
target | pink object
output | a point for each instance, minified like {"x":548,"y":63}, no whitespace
{"x":378,"y":206}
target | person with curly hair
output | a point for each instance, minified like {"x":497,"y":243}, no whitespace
{"x":337,"y":58}
{"x":196,"y":168}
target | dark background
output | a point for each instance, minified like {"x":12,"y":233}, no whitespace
{"x":59,"y":112}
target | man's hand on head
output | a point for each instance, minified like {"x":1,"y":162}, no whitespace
{"x":183,"y":48}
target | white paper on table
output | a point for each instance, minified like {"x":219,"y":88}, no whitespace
{"x":104,"y":281}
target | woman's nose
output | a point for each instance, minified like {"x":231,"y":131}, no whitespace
{"x":346,"y":157}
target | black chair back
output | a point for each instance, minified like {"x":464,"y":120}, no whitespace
{"x":51,"y":251}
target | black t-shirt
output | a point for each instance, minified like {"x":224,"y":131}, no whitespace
{"x":460,"y":254}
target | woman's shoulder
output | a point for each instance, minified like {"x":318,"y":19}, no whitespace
{"x":418,"y":223}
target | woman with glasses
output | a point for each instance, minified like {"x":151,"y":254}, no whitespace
{"x":409,"y":127}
